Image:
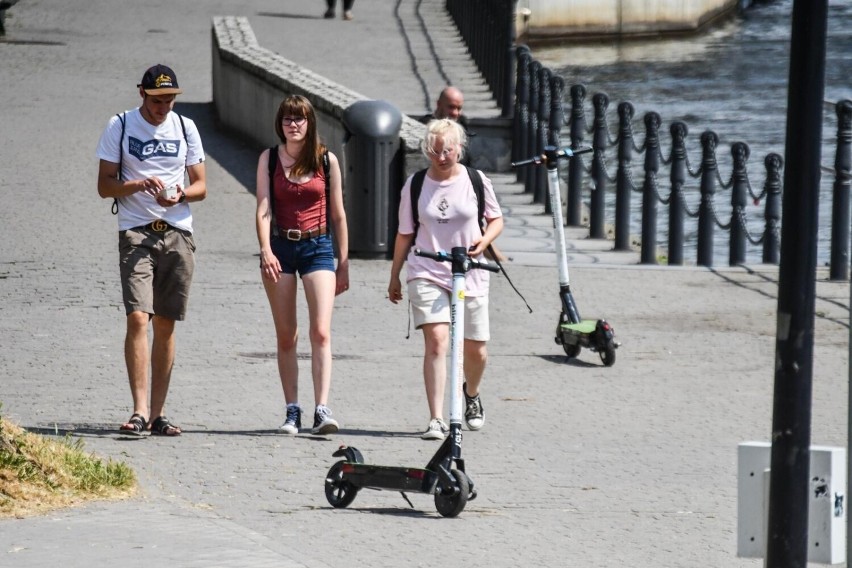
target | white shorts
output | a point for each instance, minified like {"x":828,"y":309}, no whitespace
{"x":431,"y":304}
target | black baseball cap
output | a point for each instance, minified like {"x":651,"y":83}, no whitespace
{"x":160,"y":80}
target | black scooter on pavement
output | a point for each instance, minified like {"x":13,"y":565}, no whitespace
{"x":444,"y":476}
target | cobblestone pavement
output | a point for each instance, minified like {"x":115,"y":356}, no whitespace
{"x":578,"y":464}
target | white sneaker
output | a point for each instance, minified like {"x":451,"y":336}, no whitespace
{"x":437,"y":430}
{"x":293,"y":421}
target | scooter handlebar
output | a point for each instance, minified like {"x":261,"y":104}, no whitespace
{"x":565,"y":152}
{"x":446,"y":257}
{"x":534,"y":160}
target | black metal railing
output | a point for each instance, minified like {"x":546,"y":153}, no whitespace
{"x":535,"y":98}
{"x":488,"y":29}
{"x":539,"y":121}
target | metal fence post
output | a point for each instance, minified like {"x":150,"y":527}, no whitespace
{"x":840,"y":206}
{"x":706,"y":213}
{"x":679,"y":132}
{"x":739,"y":192}
{"x":574,"y":216}
{"x":623,"y":181}
{"x":554,"y":129}
{"x":772,"y":210}
{"x":597,"y":201}
{"x":540,"y":195}
{"x":509,"y":64}
{"x":649,"y":189}
{"x":522,"y":115}
{"x":532,"y":133}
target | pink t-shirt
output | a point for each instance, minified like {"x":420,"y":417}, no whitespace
{"x":447,"y":211}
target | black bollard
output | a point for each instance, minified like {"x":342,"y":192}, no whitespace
{"x":772,"y":209}
{"x":510,"y":62}
{"x":677,"y":203}
{"x":554,"y":129}
{"x":597,"y":202}
{"x":540,"y":191}
{"x":706,"y":214}
{"x":574,"y":216}
{"x":532,"y":132}
{"x":739,"y":194}
{"x":649,"y":189}
{"x":840,"y":204}
{"x":623,"y":183}
{"x":522,"y":114}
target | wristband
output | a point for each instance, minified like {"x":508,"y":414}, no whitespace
{"x":182,"y":196}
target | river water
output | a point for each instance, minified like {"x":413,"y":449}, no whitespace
{"x":733,"y":80}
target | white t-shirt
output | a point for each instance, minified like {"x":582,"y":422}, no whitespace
{"x":448,"y":218}
{"x":150,"y":150}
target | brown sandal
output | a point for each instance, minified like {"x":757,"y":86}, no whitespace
{"x":162,"y":427}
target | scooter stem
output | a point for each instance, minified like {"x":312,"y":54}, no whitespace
{"x":552,"y":156}
{"x":459,"y":268}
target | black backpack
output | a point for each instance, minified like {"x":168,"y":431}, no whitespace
{"x":479,"y":190}
{"x":272,"y":162}
{"x":123,"y":120}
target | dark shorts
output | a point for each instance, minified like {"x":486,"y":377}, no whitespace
{"x":156,"y":270}
{"x":304,"y":256}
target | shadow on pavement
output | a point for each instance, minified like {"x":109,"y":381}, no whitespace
{"x":236,"y":155}
{"x":291,"y":16}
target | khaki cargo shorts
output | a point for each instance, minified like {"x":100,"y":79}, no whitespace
{"x":157,"y":262}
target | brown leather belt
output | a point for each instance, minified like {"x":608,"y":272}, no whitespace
{"x":299,"y":235}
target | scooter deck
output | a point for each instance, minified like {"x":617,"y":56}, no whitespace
{"x":393,"y":478}
{"x":585,"y":326}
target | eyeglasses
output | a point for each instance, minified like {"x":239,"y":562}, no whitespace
{"x":445,"y":153}
{"x":297,"y":120}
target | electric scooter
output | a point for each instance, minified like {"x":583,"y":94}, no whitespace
{"x":572,"y":332}
{"x":444,"y":476}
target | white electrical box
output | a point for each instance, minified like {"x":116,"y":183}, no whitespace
{"x":826,"y":504}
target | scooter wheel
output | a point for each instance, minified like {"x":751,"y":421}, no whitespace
{"x":339,"y":492}
{"x":608,"y":355}
{"x":450,"y":504}
{"x":571,"y":351}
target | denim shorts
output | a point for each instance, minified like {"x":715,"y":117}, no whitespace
{"x":304,"y":256}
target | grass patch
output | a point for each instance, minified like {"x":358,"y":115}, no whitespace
{"x":39,"y":474}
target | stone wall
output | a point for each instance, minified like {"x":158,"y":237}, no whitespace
{"x":249,"y":82}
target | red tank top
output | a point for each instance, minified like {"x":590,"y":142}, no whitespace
{"x":299,"y":205}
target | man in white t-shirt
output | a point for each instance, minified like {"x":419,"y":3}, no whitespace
{"x":143,"y":155}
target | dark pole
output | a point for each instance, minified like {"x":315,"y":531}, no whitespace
{"x":507,"y":103}
{"x":787,"y":534}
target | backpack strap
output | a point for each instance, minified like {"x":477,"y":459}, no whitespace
{"x":272,"y":163}
{"x":479,"y":190}
{"x":326,"y":170}
{"x":123,"y":119}
{"x":416,"y":187}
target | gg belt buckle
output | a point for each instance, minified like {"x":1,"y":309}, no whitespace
{"x":294,"y":235}
{"x":159,"y":226}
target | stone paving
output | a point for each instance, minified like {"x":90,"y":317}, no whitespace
{"x":578,"y":464}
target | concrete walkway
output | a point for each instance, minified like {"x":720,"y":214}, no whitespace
{"x":578,"y":464}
